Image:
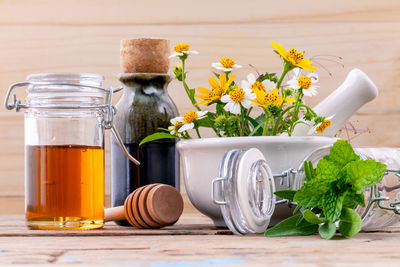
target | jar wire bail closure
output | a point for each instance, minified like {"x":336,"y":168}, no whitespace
{"x":108,"y":107}
{"x":225,"y":193}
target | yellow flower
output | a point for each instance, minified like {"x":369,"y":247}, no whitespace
{"x":294,"y":57}
{"x":226,"y":65}
{"x":174,"y":128}
{"x":182,"y":49}
{"x":263,"y":98}
{"x":189,"y":119}
{"x":217,"y":90}
{"x":321,"y":127}
{"x":179,"y":48}
{"x":238,"y":97}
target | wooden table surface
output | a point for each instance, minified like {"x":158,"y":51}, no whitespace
{"x":193,"y":241}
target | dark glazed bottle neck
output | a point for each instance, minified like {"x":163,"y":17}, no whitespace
{"x":145,"y":81}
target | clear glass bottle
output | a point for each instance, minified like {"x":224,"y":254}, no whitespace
{"x":143,"y":109}
{"x":64,"y":150}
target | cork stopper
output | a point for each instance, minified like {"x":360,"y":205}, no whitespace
{"x":145,"y":55}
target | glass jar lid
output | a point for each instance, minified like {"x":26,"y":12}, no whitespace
{"x":245,"y":190}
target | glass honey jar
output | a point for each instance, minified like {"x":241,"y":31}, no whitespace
{"x":65,"y":119}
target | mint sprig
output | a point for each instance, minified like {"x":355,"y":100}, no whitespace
{"x":330,"y":194}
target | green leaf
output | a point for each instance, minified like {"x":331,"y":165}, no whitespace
{"x":205,"y":122}
{"x":332,"y":205}
{"x":352,"y":200}
{"x":257,"y":126}
{"x":342,"y":153}
{"x":363,"y":174}
{"x":327,"y":230}
{"x":156,"y":136}
{"x":261,"y":118}
{"x":350,"y":222}
{"x":219,"y":108}
{"x":300,"y":220}
{"x":257,"y":131}
{"x":297,"y":209}
{"x":311,"y":193}
{"x":286,"y":194}
{"x":289,"y":227}
{"x":312,"y":218}
{"x":328,"y":170}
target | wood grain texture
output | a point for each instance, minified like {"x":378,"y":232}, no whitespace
{"x":83,"y":36}
{"x":193,"y":241}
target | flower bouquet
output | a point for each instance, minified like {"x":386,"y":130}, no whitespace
{"x":282,"y":106}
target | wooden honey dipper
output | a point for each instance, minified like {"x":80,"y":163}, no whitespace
{"x":150,"y":206}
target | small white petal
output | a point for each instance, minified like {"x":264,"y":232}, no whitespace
{"x":313,"y":129}
{"x":180,"y":119}
{"x":175,"y":54}
{"x":235,"y":108}
{"x":225,"y":98}
{"x":251,"y":78}
{"x":330,"y":117}
{"x":216,"y":64}
{"x":174,"y":120}
{"x":237,"y":66}
{"x":191,"y":52}
{"x":314,"y":77}
{"x":186,"y":127}
{"x":296,"y":71}
{"x":246,"y":103}
{"x":251,"y":96}
{"x":310,"y":92}
{"x":228,"y":106}
{"x":227,"y":69}
{"x":170,"y":128}
{"x":202,"y":113}
{"x":269,"y":85}
{"x":247,"y":91}
{"x":245,"y":84}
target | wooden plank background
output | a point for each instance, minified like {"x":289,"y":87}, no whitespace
{"x":83,"y":36}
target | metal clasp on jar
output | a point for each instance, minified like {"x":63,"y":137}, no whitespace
{"x":109,"y":109}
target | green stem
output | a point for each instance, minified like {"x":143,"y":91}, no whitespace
{"x":295,"y":115}
{"x":198,"y":133}
{"x":187,"y":89}
{"x":266,"y":123}
{"x":286,"y":69}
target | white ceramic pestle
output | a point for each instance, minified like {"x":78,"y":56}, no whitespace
{"x":356,"y":90}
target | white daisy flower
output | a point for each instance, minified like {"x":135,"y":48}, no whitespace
{"x":236,"y":98}
{"x":321,"y":127}
{"x":182,"y":49}
{"x":176,"y":125}
{"x":189,"y":118}
{"x":252,"y":84}
{"x":226,"y":65}
{"x":305,"y":82}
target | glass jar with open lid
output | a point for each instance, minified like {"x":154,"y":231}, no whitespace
{"x":65,"y":119}
{"x":245,"y":189}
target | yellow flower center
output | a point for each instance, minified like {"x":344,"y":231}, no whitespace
{"x":258,"y":86}
{"x":215,"y":93}
{"x":271,"y":98}
{"x":181,"y":47}
{"x":304,"y":82}
{"x":227,"y":63}
{"x":294,"y":56}
{"x":190,"y":116}
{"x":325,"y":124}
{"x":237,"y":95}
{"x":177,"y":125}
